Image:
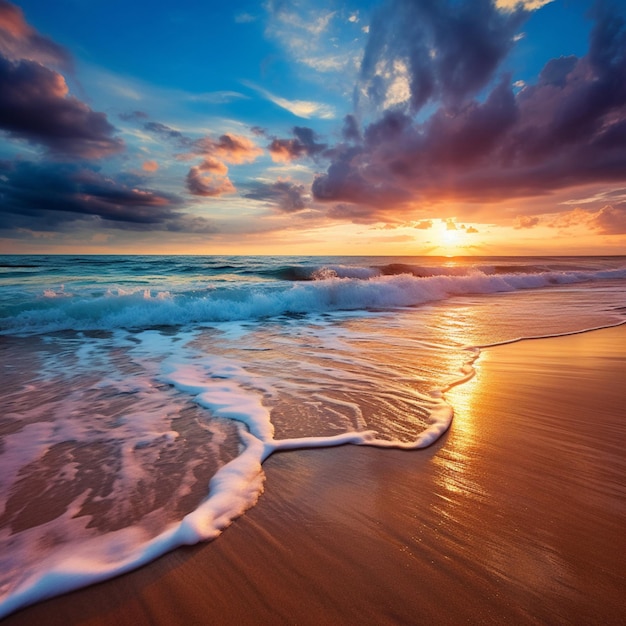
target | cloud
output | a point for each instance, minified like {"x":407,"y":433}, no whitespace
{"x":297,"y":27}
{"x":314,"y":37}
{"x":302,"y":145}
{"x":150,"y":166}
{"x":166,"y":132}
{"x":209,"y":178}
{"x":350,"y":130}
{"x":55,"y":196}
{"x":446,"y":51}
{"x":217,"y":97}
{"x":285,"y":196}
{"x":471,"y":230}
{"x":203,"y":181}
{"x":424,"y":225}
{"x":133,"y":116}
{"x":526,"y":221}
{"x":355,"y":213}
{"x":611,"y":219}
{"x":567,"y":128}
{"x":229,"y":147}
{"x":18,"y":40}
{"x":528,"y":5}
{"x":35,"y":103}
{"x":300,"y":108}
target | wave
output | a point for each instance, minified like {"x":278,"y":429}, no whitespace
{"x":64,"y":309}
{"x":322,"y":271}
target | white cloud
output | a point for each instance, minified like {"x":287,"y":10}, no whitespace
{"x":318,"y":38}
{"x":528,"y":5}
{"x":333,"y":63}
{"x":399,"y":89}
{"x":300,"y":108}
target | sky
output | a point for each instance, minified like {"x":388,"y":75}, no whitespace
{"x":391,"y":127}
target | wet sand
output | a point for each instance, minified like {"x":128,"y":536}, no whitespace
{"x":517,"y":516}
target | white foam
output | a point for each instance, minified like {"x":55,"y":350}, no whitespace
{"x":145,"y":307}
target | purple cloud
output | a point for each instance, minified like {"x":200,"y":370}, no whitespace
{"x":285,"y":196}
{"x":53,"y":196}
{"x":450,"y":49}
{"x":35,"y":105}
{"x":568,"y":128}
{"x":303,"y":144}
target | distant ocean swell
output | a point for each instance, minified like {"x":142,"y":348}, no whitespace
{"x":329,"y":289}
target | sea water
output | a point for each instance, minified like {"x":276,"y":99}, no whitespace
{"x":141,"y":394}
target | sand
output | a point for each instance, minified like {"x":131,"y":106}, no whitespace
{"x":516,"y":516}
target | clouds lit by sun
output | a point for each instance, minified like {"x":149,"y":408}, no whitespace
{"x":329,"y":128}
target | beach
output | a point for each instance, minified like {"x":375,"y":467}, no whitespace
{"x":515,"y":516}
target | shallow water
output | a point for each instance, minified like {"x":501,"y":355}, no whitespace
{"x":141,"y":394}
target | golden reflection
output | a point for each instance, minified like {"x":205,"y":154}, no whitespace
{"x":455,"y":460}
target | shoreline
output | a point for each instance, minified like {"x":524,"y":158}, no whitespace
{"x":516,"y":514}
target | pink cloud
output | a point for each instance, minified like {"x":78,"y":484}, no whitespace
{"x":229,"y":148}
{"x":209,"y":178}
{"x":150,"y":166}
{"x":18,"y":40}
{"x":200,"y":183}
{"x":526,"y":221}
{"x":611,"y":219}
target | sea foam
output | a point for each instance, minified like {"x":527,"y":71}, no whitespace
{"x":145,"y":307}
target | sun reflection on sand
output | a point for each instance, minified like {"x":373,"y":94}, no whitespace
{"x":455,"y":460}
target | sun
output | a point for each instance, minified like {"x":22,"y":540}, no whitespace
{"x":450,"y":237}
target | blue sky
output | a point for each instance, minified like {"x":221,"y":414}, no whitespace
{"x":393,"y":127}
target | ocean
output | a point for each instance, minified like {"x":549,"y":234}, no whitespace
{"x":141,"y":394}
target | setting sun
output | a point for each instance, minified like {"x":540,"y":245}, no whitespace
{"x":450,"y":236}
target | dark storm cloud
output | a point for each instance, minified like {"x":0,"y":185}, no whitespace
{"x":567,"y":128}
{"x":450,"y":48}
{"x":35,"y":105}
{"x":303,"y":144}
{"x":51,"y":196}
{"x":285,"y":196}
